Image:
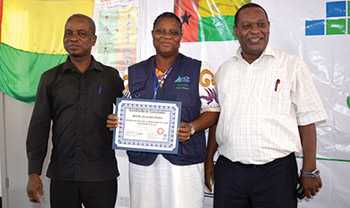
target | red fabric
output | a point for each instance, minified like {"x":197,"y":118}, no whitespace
{"x":188,"y":8}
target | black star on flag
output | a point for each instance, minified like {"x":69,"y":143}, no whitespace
{"x":185,"y":18}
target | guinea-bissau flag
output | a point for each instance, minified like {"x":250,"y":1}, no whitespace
{"x":205,"y":20}
{"x":31,"y":41}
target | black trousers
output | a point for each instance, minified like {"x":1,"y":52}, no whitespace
{"x":72,"y":194}
{"x":272,"y":185}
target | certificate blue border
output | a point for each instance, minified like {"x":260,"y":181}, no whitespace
{"x":142,"y":145}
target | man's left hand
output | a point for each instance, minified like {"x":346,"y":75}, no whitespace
{"x":311,"y":185}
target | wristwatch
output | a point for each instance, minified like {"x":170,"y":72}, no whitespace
{"x":313,"y":174}
{"x":192,"y":129}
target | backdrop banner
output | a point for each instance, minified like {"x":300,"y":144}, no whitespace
{"x":316,"y":30}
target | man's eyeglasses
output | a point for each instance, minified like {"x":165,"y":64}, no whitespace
{"x":171,"y":33}
{"x":82,"y":34}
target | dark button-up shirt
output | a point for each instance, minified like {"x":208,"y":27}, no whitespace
{"x":78,"y":105}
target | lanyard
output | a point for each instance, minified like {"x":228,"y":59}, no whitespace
{"x":159,"y":81}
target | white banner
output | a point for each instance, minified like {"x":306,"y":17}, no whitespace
{"x":319,"y":32}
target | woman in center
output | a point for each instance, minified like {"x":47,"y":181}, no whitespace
{"x":172,"y":180}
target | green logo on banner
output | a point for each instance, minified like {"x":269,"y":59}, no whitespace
{"x":348,"y":101}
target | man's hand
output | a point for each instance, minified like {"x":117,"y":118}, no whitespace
{"x":34,"y":188}
{"x":209,"y":174}
{"x":112,"y":121}
{"x":184,"y":132}
{"x":311,"y":185}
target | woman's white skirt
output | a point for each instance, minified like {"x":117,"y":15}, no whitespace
{"x":164,"y":185}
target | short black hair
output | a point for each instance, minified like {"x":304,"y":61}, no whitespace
{"x":83,"y":16}
{"x":167,"y":15}
{"x":249,"y":5}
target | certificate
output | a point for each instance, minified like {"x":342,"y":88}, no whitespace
{"x":147,"y":125}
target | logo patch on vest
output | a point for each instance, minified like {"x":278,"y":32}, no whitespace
{"x":182,"y":83}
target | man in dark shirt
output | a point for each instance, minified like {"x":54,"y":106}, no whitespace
{"x":76,"y":96}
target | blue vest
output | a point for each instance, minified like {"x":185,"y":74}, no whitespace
{"x":181,"y":85}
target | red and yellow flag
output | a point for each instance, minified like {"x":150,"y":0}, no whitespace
{"x":207,"y":20}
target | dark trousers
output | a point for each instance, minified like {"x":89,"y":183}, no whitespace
{"x":72,"y":194}
{"x":272,"y":185}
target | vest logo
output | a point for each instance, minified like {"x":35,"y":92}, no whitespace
{"x":184,"y":79}
{"x":337,"y":21}
{"x":182,"y":82}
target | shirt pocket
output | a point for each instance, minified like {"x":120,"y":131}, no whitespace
{"x":275,"y":94}
{"x":103,"y":99}
{"x":64,"y":94}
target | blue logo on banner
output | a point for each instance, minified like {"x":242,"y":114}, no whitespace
{"x":337,"y":21}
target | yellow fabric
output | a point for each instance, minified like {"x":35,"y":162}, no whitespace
{"x":159,"y":73}
{"x":38,"y":25}
{"x":209,"y":8}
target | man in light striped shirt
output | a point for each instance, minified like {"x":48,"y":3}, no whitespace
{"x":269,"y":107}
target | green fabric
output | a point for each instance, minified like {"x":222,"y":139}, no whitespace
{"x":216,"y":28}
{"x":20,"y":71}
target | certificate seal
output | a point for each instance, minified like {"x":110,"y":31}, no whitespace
{"x":160,"y":131}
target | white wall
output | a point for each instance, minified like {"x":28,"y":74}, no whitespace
{"x":17,"y":116}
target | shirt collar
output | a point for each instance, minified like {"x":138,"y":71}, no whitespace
{"x":267,"y":52}
{"x":94,"y":65}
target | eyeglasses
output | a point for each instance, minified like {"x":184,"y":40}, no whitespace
{"x":82,"y":34}
{"x":171,"y":33}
